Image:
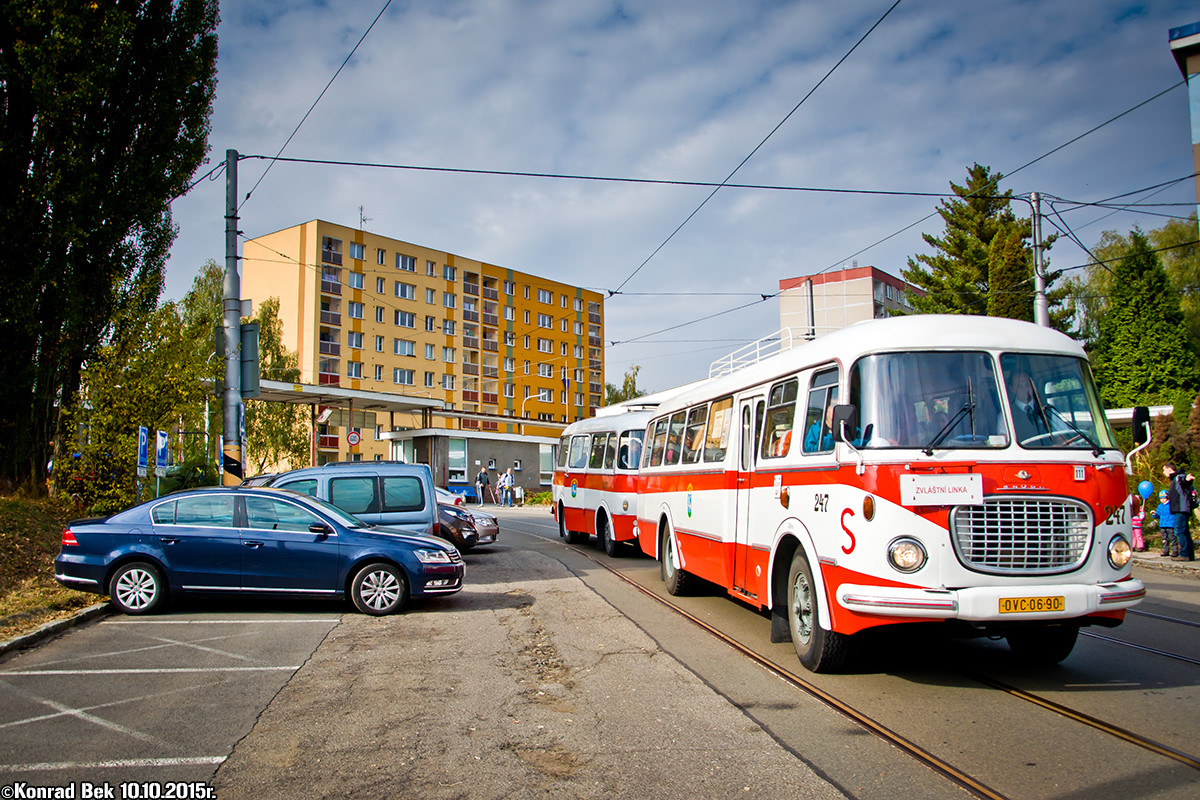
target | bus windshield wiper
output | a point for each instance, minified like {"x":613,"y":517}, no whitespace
{"x":1097,"y":450}
{"x":967,"y":408}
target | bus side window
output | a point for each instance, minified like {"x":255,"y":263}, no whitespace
{"x":564,"y":446}
{"x":822,"y":397}
{"x":658,"y":444}
{"x":717,"y":441}
{"x":629,"y":454}
{"x":599,"y":444}
{"x":781,"y":414}
{"x":675,"y":439}
{"x":610,"y":452}
{"x":579,"y":452}
{"x":693,"y":437}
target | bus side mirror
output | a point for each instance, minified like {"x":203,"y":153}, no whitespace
{"x":845,"y":423}
{"x":1141,"y":425}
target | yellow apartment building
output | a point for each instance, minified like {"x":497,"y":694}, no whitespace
{"x":512,"y":357}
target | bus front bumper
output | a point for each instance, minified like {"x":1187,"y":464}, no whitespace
{"x":993,"y":603}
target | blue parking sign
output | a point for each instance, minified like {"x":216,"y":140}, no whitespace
{"x":143,"y":450}
{"x":162,"y":454}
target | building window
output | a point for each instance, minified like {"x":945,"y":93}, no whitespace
{"x":448,"y":382}
{"x":353,"y":369}
{"x":526,"y":341}
{"x":403,"y":377}
{"x":527,"y":368}
{"x":406,"y":291}
{"x":431,"y":324}
{"x":406,"y":319}
{"x":378,"y":432}
{"x":379,"y":284}
{"x":429,"y":376}
{"x":404,"y":347}
{"x":510,"y":364}
{"x":406,"y":263}
{"x":456,"y":461}
{"x":545,"y":321}
{"x":579,"y":351}
{"x":509,"y":390}
{"x":448,"y":299}
{"x":379,"y":372}
{"x":448,"y":327}
{"x":356,"y":280}
{"x":510,"y":338}
{"x":564,"y":325}
{"x":378,"y":344}
{"x":545,"y":346}
{"x":545,"y":296}
{"x":526,"y":316}
{"x":379,"y":313}
{"x":430,"y":354}
{"x":448,"y":272}
{"x":380,"y":257}
{"x":355,"y":310}
{"x":564,"y":348}
{"x":448,"y":355}
{"x":354,"y":339}
{"x":430,"y":296}
{"x":510,"y":288}
{"x":510,"y":313}
{"x":357,"y":251}
{"x":545,"y":371}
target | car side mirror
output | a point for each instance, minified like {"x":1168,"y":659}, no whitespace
{"x":321,"y":529}
{"x":1141,"y":424}
{"x":845,"y":422}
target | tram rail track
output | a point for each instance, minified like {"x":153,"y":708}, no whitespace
{"x":952,"y":773}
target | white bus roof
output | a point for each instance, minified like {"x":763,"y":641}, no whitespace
{"x":893,"y":334}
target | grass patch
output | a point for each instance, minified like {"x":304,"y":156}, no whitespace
{"x":30,"y":535}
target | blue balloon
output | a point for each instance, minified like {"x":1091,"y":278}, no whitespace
{"x":1145,"y":489}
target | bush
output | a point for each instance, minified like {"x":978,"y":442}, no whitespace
{"x":539,"y":498}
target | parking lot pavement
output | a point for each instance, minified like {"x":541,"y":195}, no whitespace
{"x":137,"y":699}
{"x":526,"y":684}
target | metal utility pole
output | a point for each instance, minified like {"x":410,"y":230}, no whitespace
{"x":1041,"y":307}
{"x":232,"y":325}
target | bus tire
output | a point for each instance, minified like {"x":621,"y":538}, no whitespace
{"x":572,"y":537}
{"x":1042,"y":646}
{"x":604,"y":535}
{"x":674,"y":576}
{"x":818,"y":649}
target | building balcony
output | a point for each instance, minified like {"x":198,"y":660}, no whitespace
{"x":491,"y":398}
{"x":595,"y":364}
{"x":490,"y":293}
{"x":329,"y":287}
{"x":469,"y":424}
{"x":595,"y":341}
{"x":491,"y":319}
{"x":470,"y":369}
{"x":470,"y":288}
{"x":470,"y":316}
{"x":471,"y":342}
{"x":327,"y":441}
{"x":331,"y":318}
{"x":491,"y":372}
{"x":329,"y":379}
{"x":490,"y":344}
{"x":595,"y":388}
{"x":330,"y":257}
{"x":491,"y":426}
{"x":329,"y":348}
{"x":594,"y":318}
{"x":470,"y":397}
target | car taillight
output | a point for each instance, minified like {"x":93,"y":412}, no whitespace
{"x":69,"y":539}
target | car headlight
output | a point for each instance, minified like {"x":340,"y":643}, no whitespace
{"x":1119,"y":552}
{"x":906,"y":555}
{"x":432,"y":556}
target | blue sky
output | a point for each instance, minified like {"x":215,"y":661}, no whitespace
{"x":685,"y":90}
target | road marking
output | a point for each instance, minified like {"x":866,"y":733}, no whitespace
{"x":84,"y":716}
{"x":165,"y":671}
{"x":215,"y":621}
{"x":147,"y":648}
{"x":43,"y":717}
{"x":53,"y":766}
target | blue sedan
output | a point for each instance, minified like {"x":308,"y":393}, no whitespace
{"x":251,"y":540}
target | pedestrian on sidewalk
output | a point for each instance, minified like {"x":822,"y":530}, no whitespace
{"x":505,"y":485}
{"x":1179,"y":495}
{"x":481,"y":483}
{"x":1166,"y":525}
{"x":1139,"y":515}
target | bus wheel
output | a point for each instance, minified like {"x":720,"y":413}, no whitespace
{"x":604,"y":533}
{"x":674,"y":576}
{"x":819,"y":650}
{"x":562,"y":525}
{"x":572,"y":537}
{"x":1043,"y":645}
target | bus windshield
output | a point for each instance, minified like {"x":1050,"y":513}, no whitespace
{"x":1054,"y":403}
{"x":927,"y":400}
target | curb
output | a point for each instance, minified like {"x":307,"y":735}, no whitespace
{"x":54,"y":628}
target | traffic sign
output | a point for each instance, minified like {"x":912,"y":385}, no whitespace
{"x":353,"y":438}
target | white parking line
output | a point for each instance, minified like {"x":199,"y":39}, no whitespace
{"x":84,"y":716}
{"x":49,"y":766}
{"x":147,"y":648}
{"x":43,"y":717}
{"x":164,"y":671}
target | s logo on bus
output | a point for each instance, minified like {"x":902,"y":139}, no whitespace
{"x":847,"y":550}
{"x":574,"y":488}
{"x":689,"y":501}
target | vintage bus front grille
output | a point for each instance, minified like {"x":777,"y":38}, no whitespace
{"x":1022,"y":536}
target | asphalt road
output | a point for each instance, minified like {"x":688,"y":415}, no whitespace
{"x":549,"y":675}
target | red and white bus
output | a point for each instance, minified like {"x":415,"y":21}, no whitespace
{"x":595,"y":482}
{"x":941,"y":468}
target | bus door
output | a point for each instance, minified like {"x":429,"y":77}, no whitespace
{"x":750,"y":417}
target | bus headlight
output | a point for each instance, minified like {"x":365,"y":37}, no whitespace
{"x":906,"y":555}
{"x":1119,"y":552}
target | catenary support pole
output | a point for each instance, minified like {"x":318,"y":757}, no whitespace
{"x":232,"y":325}
{"x":1041,"y":307}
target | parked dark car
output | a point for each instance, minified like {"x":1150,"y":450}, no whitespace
{"x":251,"y":540}
{"x":389,"y":493}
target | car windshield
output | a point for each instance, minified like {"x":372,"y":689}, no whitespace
{"x":927,"y":400}
{"x":1054,"y":403}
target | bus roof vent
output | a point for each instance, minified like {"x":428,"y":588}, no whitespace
{"x":753,"y":353}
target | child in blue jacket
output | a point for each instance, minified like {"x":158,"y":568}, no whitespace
{"x":1166,"y":525}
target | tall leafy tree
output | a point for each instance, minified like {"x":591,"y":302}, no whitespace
{"x":276,"y":433}
{"x":1141,"y":354}
{"x":983,"y":263}
{"x":628,"y":389}
{"x":104,"y":118}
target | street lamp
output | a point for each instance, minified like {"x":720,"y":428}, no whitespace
{"x":537,"y":396}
